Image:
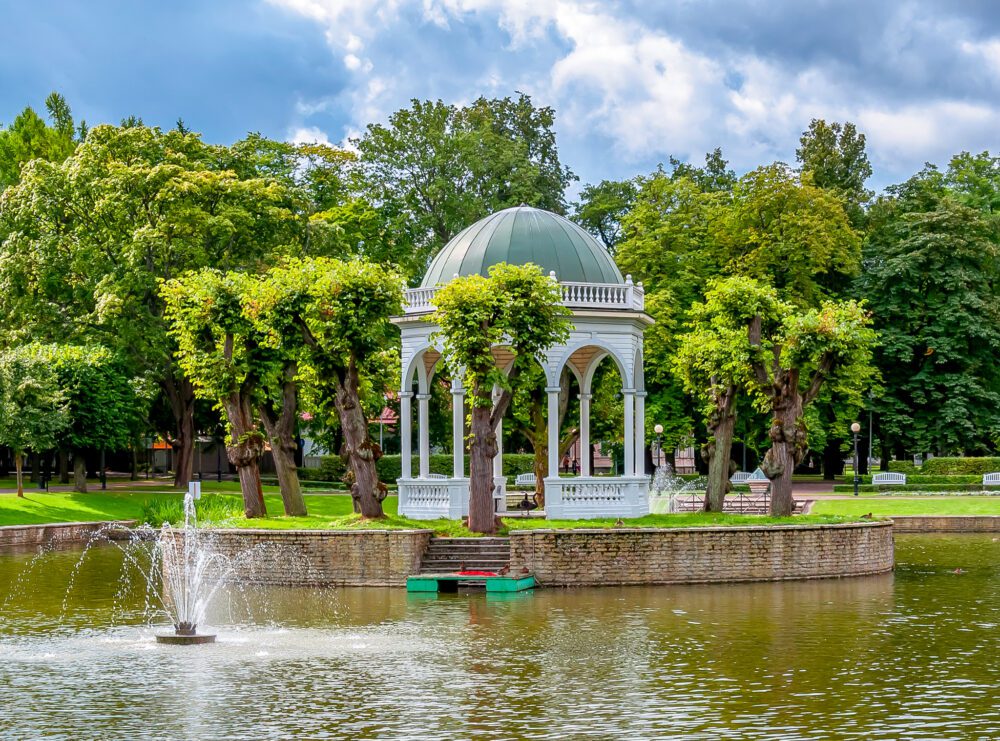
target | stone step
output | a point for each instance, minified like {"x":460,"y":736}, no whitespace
{"x":460,"y":565}
{"x":469,"y":551}
{"x":448,"y":555}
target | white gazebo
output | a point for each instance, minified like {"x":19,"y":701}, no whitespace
{"x":608,"y":322}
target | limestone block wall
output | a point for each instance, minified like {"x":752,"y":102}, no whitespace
{"x":702,"y":554}
{"x":323,"y":557}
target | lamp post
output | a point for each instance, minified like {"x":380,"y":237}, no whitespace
{"x":856,"y":428}
{"x":658,"y":429}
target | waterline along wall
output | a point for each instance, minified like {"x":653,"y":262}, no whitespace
{"x":702,"y":554}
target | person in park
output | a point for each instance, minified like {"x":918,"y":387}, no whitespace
{"x":565,"y":464}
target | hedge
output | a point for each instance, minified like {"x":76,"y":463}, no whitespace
{"x":967,"y":466}
{"x":390,"y":467}
{"x":906,"y":467}
{"x":918,"y":478}
{"x":849,"y":489}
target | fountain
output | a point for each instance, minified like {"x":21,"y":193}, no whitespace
{"x":192,"y":574}
{"x":667,"y":487}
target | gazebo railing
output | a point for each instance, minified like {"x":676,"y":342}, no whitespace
{"x":626,"y":296}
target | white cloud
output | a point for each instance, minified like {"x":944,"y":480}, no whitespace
{"x":308,"y":135}
{"x":618,"y":79}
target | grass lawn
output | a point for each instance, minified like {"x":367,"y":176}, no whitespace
{"x":886,"y":506}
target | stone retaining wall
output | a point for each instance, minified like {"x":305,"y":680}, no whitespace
{"x":702,"y":554}
{"x":325,"y":557}
{"x":947,"y":524}
{"x":56,"y":532}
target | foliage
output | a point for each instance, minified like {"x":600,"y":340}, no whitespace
{"x":961,"y":466}
{"x":34,"y":409}
{"x":602,"y":207}
{"x":106,"y":405}
{"x":932,"y":268}
{"x":835,"y":156}
{"x":434,"y":169}
{"x":29,"y":138}
{"x":212,"y":509}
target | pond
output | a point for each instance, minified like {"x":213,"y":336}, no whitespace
{"x":912,"y":654}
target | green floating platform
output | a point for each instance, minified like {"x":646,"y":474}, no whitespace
{"x":451,"y":582}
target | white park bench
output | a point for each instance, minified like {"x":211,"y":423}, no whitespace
{"x":525,"y":479}
{"x":888,"y":479}
{"x":740,"y":477}
{"x":991,"y":479}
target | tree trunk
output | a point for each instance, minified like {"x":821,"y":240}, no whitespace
{"x":19,"y":471}
{"x":134,"y":467}
{"x":180,"y":392}
{"x":280,"y":427}
{"x":63,"y":466}
{"x":36,"y":460}
{"x":788,"y":447}
{"x":361,"y":451}
{"x":243,"y":450}
{"x":721,"y":426}
{"x":482,"y":449}
{"x":79,"y":471}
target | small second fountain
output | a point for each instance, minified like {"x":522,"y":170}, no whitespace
{"x":667,"y":489}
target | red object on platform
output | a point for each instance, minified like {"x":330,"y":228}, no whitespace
{"x":476,"y":573}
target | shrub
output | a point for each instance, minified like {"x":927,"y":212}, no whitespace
{"x":906,"y":467}
{"x":896,"y":488}
{"x":210,"y":508}
{"x":967,"y":466}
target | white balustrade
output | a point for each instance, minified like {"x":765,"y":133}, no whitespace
{"x":627,"y":297}
{"x":596,"y":496}
{"x":433,"y":498}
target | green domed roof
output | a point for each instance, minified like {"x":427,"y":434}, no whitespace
{"x":522,"y":235}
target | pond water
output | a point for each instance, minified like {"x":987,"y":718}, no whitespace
{"x":914,"y":654}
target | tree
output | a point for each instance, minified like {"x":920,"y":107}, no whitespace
{"x":216,"y":349}
{"x":105,"y":405}
{"x":792,"y":356}
{"x":434,"y":168}
{"x":516,"y":307}
{"x":715,"y":176}
{"x":335,"y":316}
{"x":33,"y":408}
{"x":932,"y":272}
{"x":84,"y":244}
{"x":713,"y":360}
{"x":602,"y":207}
{"x":835,"y":155}
{"x":29,"y":138}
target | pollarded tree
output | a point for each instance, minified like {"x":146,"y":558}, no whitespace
{"x":216,"y":348}
{"x":334,"y":316}
{"x":784,"y":357}
{"x":516,"y":307}
{"x":33,"y":408}
{"x":713,"y":362}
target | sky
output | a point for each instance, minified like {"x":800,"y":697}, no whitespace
{"x":632,"y":81}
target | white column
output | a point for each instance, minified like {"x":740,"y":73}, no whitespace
{"x":498,"y":460}
{"x":629,"y":395}
{"x":423,"y":424}
{"x":553,"y":427}
{"x":406,"y":433}
{"x":585,"y":434}
{"x":640,"y":433}
{"x":458,"y":430}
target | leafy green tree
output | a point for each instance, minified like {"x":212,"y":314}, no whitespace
{"x":29,"y":138}
{"x":106,"y":405}
{"x":835,"y":155}
{"x":335,"y":316}
{"x":84,"y":244}
{"x":715,"y":176}
{"x":33,"y":408}
{"x":713,"y":362}
{"x":516,"y":307}
{"x":931,"y":278}
{"x":602,"y":207}
{"x":217,"y":348}
{"x":434,"y":169}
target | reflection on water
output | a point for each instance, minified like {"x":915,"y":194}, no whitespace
{"x":905,"y":655}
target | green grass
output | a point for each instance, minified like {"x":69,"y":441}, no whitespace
{"x":884,"y":506}
{"x":41,"y":507}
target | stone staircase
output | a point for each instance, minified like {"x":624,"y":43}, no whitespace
{"x":447,"y":555}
